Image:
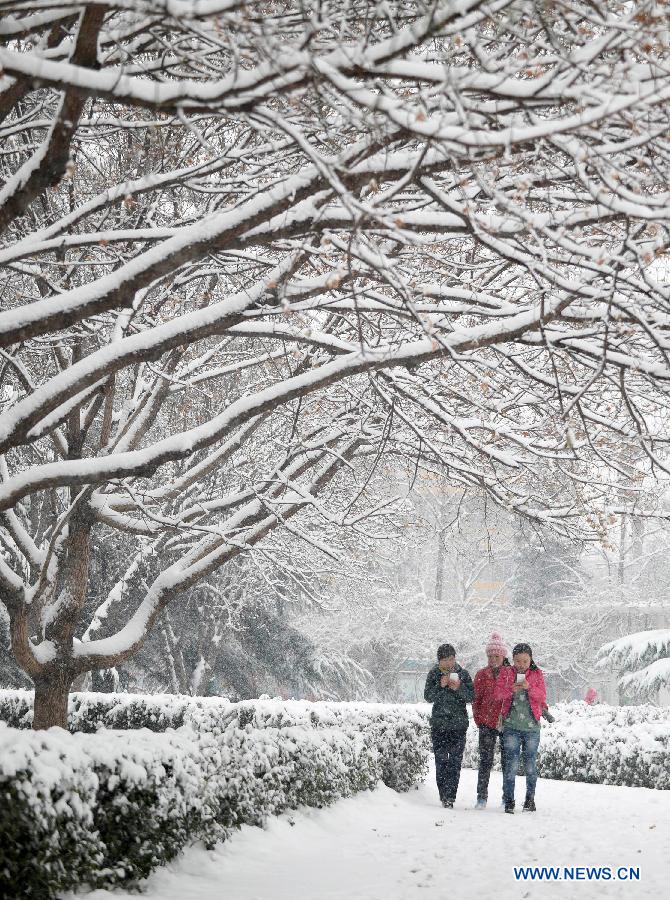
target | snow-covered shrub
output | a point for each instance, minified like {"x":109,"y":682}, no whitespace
{"x":108,"y":807}
{"x":626,"y":745}
{"x":88,"y":711}
{"x":16,"y":708}
{"x":398,"y":731}
{"x":102,"y":809}
{"x":265,"y":771}
{"x":96,"y":809}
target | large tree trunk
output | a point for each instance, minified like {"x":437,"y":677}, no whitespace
{"x":53,"y":683}
{"x":51,"y":696}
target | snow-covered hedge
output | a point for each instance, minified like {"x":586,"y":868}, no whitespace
{"x":398,"y":731}
{"x":96,"y":809}
{"x":626,"y":745}
{"x":106,"y":808}
{"x":89,"y":711}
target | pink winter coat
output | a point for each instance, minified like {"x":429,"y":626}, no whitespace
{"x":537,"y":693}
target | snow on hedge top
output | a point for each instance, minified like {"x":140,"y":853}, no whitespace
{"x":89,"y":711}
{"x":55,"y":762}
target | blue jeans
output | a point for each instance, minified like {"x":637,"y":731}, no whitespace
{"x":513,"y":741}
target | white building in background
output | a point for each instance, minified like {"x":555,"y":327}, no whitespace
{"x":412,"y":679}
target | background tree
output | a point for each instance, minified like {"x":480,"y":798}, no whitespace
{"x":642,"y":661}
{"x":546,"y":570}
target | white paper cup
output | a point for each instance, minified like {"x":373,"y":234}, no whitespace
{"x":520,"y":676}
{"x":453,"y":676}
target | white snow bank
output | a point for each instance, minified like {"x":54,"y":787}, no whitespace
{"x":386,"y":846}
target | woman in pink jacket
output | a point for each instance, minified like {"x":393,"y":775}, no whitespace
{"x":520,"y":688}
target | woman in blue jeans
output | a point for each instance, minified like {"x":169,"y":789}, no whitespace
{"x":521,"y":689}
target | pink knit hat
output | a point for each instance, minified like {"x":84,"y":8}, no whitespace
{"x":496,"y":644}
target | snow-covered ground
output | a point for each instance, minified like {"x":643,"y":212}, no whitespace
{"x":386,"y":846}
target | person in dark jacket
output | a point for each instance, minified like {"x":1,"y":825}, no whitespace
{"x":486,"y":711}
{"x":449,"y":689}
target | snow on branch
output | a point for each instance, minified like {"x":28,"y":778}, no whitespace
{"x":644,"y":657}
{"x":251,"y":256}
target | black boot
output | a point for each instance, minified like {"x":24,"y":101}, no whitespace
{"x":529,"y":805}
{"x":509,"y":806}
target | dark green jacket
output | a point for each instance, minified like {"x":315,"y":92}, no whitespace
{"x":449,"y":707}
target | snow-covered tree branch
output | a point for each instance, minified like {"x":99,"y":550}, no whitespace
{"x":642,"y":660}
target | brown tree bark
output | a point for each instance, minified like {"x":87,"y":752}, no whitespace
{"x":53,"y":678}
{"x":51,"y":695}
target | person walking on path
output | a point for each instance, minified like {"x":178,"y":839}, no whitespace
{"x":486,"y":711}
{"x":449,"y":689}
{"x":520,"y":687}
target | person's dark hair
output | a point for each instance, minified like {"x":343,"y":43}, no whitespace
{"x":506,"y":662}
{"x":524,"y":648}
{"x":445,"y":650}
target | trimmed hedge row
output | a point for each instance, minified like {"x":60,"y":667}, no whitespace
{"x":624,"y":745}
{"x":398,"y":732}
{"x":89,"y":711}
{"x":609,"y":745}
{"x":102,"y":810}
{"x":98,"y":810}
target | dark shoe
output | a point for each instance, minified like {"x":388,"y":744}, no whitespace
{"x":509,"y":807}
{"x":529,"y":805}
{"x":480,"y":804}
{"x":448,"y":804}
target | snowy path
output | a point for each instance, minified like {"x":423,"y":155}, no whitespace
{"x":386,"y":846}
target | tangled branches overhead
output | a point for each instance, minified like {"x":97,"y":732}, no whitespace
{"x":320,"y":226}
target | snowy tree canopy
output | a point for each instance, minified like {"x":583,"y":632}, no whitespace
{"x":244,"y":245}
